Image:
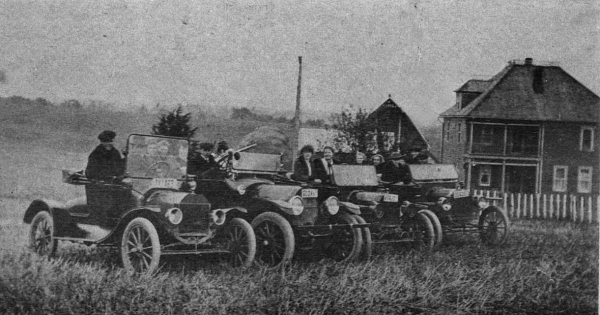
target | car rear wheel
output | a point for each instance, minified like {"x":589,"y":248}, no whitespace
{"x":274,"y":239}
{"x":437,"y":227}
{"x":41,"y":234}
{"x":345,"y":243}
{"x":493,"y":226}
{"x":140,"y":247}
{"x":367,"y":249}
{"x":240,"y":241}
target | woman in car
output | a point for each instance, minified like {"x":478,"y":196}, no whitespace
{"x":359,"y":158}
{"x":323,"y":167}
{"x":378,"y":161}
{"x":304,"y":169}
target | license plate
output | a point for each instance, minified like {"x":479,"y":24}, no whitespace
{"x":390,"y":198}
{"x":310,"y":193}
{"x":460,"y":193}
{"x":164,"y":183}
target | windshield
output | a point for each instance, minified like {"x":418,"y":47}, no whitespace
{"x":428,"y":172}
{"x":156,"y":157}
{"x":257,"y":162}
{"x":354,"y":175}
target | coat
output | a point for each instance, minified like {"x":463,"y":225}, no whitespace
{"x":105,"y":164}
{"x":200,"y":165}
{"x":394,"y":174}
{"x":301,"y":170}
{"x":323,"y":171}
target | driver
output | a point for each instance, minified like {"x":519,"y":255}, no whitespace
{"x":105,"y":162}
{"x":204,"y":162}
{"x":396,"y":170}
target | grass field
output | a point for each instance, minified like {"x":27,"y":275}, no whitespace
{"x":546,"y":267}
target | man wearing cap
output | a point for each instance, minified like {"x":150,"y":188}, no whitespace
{"x":203,"y":162}
{"x":105,"y":162}
{"x":396,"y":170}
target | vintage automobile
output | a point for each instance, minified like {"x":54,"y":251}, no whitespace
{"x":288,"y":217}
{"x":437,"y":188}
{"x":392,"y":219}
{"x":145,"y":214}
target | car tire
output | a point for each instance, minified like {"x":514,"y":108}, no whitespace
{"x":344,"y":244}
{"x":367,"y":248}
{"x":41,"y":234}
{"x":423,"y":233}
{"x":437,"y":227}
{"x":275,"y":242}
{"x":240,"y":240}
{"x":493,"y":226}
{"x":140,"y":247}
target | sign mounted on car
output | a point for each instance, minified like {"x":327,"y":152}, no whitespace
{"x":460,"y":193}
{"x":310,"y":193}
{"x":390,"y":198}
{"x":164,"y":183}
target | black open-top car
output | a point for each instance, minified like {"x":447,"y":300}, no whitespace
{"x":288,"y":216}
{"x":437,"y":188}
{"x":392,"y":218}
{"x":145,"y":213}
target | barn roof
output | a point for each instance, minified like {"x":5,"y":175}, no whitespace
{"x":390,"y":104}
{"x":532,"y":92}
{"x":477,"y":86}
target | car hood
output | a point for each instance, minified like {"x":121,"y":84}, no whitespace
{"x":277,"y":192}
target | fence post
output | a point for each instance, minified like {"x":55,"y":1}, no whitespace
{"x":537,"y":206}
{"x":589,"y":214}
{"x":518,"y":205}
{"x":558,"y":209}
{"x":597,"y":216}
{"x":564,"y":200}
{"x":531,"y":207}
{"x":552,"y":215}
{"x":544,"y":209}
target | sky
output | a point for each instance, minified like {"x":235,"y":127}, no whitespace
{"x":245,"y":53}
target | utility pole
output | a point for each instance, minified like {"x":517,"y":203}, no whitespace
{"x":297,"y":115}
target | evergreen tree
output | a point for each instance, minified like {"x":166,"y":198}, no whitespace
{"x":174,"y":124}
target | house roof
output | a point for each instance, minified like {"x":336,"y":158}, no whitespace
{"x":477,"y":86}
{"x":531,"y":92}
{"x":390,"y":104}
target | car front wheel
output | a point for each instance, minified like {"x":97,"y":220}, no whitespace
{"x":275,"y":240}
{"x":493,"y":226}
{"x":240,"y":241}
{"x":41,"y":234}
{"x":345,"y":243}
{"x":140,"y":247}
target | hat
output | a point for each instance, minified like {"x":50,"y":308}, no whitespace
{"x":223,"y":145}
{"x":107,"y":136}
{"x":396,"y":156}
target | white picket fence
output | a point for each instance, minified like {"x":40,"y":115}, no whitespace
{"x":570,"y":207}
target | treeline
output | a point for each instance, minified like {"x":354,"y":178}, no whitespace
{"x":244,"y":113}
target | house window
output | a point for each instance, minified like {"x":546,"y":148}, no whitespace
{"x":584,"y":179}
{"x":586,"y":143}
{"x":459,"y":132}
{"x":560,"y":178}
{"x":485,"y":175}
{"x":448,"y":132}
{"x":487,"y":134}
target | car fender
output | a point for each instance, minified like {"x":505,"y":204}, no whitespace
{"x":284,"y":206}
{"x":150,"y":213}
{"x":38,"y":205}
{"x":350,"y":207}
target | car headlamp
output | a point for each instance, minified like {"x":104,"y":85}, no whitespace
{"x":332,"y":205}
{"x":446,"y":206}
{"x":241,"y":189}
{"x":174,"y":215}
{"x":441,"y":200}
{"x":297,"y":205}
{"x":482,"y":203}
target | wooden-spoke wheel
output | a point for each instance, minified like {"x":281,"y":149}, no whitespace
{"x":493,"y":226}
{"x":345,"y":243}
{"x":240,"y":241}
{"x":437,"y":226}
{"x":41,"y":234}
{"x":274,"y":239}
{"x":367,"y":249}
{"x":422,"y":232}
{"x":140,"y":247}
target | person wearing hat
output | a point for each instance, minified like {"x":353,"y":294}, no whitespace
{"x":304,"y":169}
{"x":378,"y":161}
{"x":203,"y":162}
{"x":396,"y":170}
{"x":413,"y":158}
{"x":105,"y":162}
{"x":222,"y":150}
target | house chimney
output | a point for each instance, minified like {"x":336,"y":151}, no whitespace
{"x":528,"y":61}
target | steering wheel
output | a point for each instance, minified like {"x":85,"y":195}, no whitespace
{"x":158,"y":169}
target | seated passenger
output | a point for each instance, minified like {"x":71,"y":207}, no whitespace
{"x":378,"y":161}
{"x":396,"y":170}
{"x":413,"y":157}
{"x":359,"y":158}
{"x":303,"y":166}
{"x":202,"y":162}
{"x":323,"y":167}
